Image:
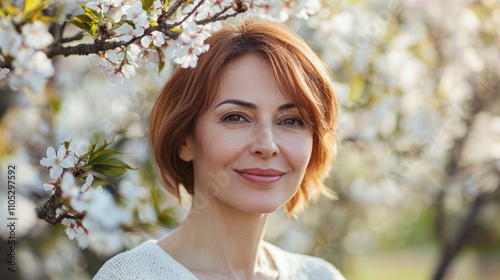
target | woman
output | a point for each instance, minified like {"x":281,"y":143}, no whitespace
{"x":250,"y":129}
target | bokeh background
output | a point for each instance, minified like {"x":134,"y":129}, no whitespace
{"x":417,"y":172}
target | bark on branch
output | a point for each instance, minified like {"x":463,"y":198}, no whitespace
{"x":101,"y":45}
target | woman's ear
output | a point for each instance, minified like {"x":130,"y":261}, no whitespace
{"x":186,"y":151}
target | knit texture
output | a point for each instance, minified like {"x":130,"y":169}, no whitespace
{"x":150,"y":261}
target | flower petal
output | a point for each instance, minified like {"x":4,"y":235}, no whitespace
{"x":61,"y":153}
{"x":51,"y":153}
{"x":55,"y":172}
{"x":47,"y":162}
{"x":67,"y":182}
{"x":68,"y":162}
{"x":48,"y":187}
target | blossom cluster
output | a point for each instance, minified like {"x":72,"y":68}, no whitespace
{"x":79,"y":204}
{"x":30,"y":63}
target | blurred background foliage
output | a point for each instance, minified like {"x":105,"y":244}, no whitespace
{"x":417,"y":172}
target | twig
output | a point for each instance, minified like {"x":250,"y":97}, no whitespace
{"x":172,"y":9}
{"x":217,"y":16}
{"x":75,"y":37}
{"x":224,"y":17}
{"x":99,"y":46}
{"x":189,"y":14}
{"x":48,"y":210}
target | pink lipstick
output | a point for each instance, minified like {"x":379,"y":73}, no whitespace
{"x":260,"y":176}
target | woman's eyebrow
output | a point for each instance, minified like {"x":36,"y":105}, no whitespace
{"x":253,"y":106}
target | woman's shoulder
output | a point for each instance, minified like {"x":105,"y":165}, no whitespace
{"x":298,"y":266}
{"x":146,"y":261}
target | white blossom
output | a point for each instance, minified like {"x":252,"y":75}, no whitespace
{"x":305,"y":8}
{"x":68,"y":187}
{"x":104,"y":5}
{"x":105,"y":242}
{"x":36,"y":35}
{"x":112,"y":56}
{"x":156,"y":37}
{"x":158,"y":6}
{"x":88,"y":182}
{"x":116,"y":215}
{"x":11,"y":40}
{"x":186,"y":56}
{"x":136,"y":14}
{"x":80,"y":197}
{"x":208,"y":8}
{"x":61,"y":210}
{"x":48,"y":187}
{"x":30,"y":68}
{"x":76,"y":230}
{"x":102,"y":63}
{"x":56,"y":162}
{"x":4,"y":72}
{"x":133,"y":52}
{"x":193,"y":34}
{"x":190,"y":44}
{"x":81,"y":202}
{"x":146,"y":41}
{"x":128,"y":32}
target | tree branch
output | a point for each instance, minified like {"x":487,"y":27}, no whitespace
{"x":224,"y":17}
{"x":99,"y":46}
{"x":189,"y":14}
{"x":102,"y":44}
{"x":218,"y":16}
{"x":468,"y":226}
{"x":48,"y":210}
{"x":452,"y":245}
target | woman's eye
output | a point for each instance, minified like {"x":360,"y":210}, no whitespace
{"x":233,"y":118}
{"x":292,"y":122}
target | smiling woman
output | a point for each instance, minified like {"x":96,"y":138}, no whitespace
{"x":250,"y":129}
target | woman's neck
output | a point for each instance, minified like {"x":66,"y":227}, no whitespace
{"x":224,"y":240}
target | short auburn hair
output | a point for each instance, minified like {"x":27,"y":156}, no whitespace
{"x":299,"y":73}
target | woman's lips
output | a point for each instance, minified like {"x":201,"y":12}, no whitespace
{"x":260,"y":176}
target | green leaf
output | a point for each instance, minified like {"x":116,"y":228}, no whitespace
{"x":91,"y":13}
{"x":80,"y":24}
{"x":30,"y":5}
{"x":111,"y":167}
{"x":161,"y":64}
{"x":113,"y":162}
{"x":84,"y":18}
{"x":146,"y":4}
{"x":67,"y":143}
{"x":8,"y":9}
{"x":100,"y":182}
{"x":104,"y":155}
{"x":32,"y":9}
{"x":100,"y":160}
{"x":109,"y":171}
{"x":93,"y":29}
{"x":85,"y":22}
{"x":176,"y":30}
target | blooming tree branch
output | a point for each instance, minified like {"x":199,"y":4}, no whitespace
{"x":126,"y":33}
{"x":69,"y":202}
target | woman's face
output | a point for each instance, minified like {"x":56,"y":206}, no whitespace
{"x":250,"y":149}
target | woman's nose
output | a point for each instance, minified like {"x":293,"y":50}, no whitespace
{"x":264,"y":143}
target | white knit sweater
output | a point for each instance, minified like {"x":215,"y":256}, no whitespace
{"x":150,"y":261}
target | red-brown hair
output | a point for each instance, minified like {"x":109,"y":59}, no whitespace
{"x":299,"y":73}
